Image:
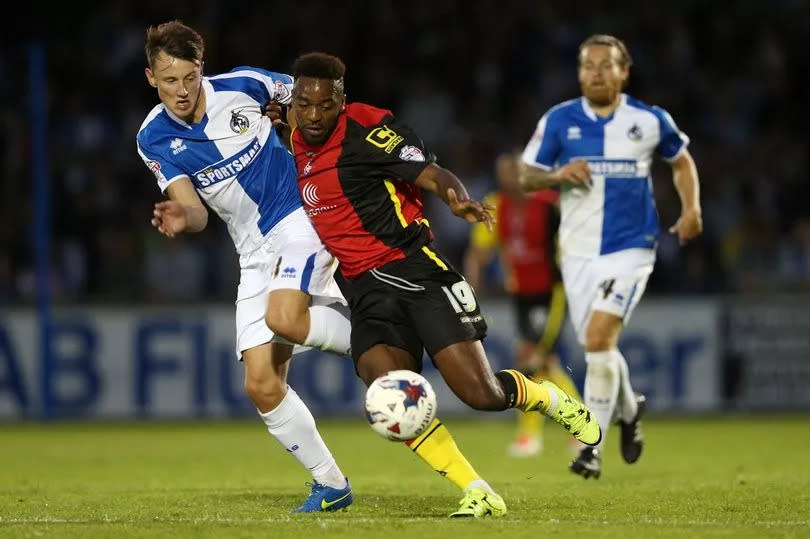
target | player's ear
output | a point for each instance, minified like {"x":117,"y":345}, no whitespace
{"x":150,"y":78}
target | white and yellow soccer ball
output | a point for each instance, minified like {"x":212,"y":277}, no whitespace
{"x":400,"y":405}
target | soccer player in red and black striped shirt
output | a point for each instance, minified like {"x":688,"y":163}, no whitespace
{"x":361,"y":173}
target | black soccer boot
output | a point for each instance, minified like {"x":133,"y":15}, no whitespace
{"x":632,"y":439}
{"x":588,"y":463}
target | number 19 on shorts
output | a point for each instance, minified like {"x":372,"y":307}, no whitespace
{"x":461,"y":297}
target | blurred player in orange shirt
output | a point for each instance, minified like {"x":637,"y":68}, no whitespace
{"x":524,"y":236}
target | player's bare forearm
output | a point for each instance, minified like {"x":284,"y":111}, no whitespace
{"x":197,"y":218}
{"x":439,"y":180}
{"x":685,"y":178}
{"x":690,"y":223}
{"x":185,"y":211}
{"x":534,"y":179}
{"x":576,"y":173}
{"x":450,"y":189}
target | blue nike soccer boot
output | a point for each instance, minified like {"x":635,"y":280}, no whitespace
{"x":323,"y":498}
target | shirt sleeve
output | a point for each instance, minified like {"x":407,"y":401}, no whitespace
{"x":278,"y":85}
{"x":543,"y":149}
{"x":673,"y":140}
{"x":391,"y":149}
{"x":282,"y":85}
{"x":164,"y":170}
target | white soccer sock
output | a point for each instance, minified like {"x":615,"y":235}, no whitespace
{"x":292,"y":424}
{"x":480,"y":483}
{"x":329,"y":328}
{"x":628,"y":407}
{"x":602,"y":387}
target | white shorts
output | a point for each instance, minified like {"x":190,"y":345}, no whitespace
{"x":292,"y":257}
{"x":612,"y":283}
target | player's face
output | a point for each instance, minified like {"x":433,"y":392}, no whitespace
{"x":316,"y":104}
{"x":601,"y":75}
{"x":178,"y":83}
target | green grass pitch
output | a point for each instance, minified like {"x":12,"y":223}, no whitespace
{"x":729,"y":477}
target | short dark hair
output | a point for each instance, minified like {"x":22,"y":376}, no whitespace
{"x":319,"y":65}
{"x":175,"y":39}
{"x":609,"y":41}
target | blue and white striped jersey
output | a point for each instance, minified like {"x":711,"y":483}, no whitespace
{"x":233,"y":156}
{"x":618,"y":211}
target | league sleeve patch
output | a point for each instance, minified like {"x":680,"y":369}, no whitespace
{"x":283,"y":93}
{"x":154,"y":166}
{"x":411,"y":153}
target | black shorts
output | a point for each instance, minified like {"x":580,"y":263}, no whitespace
{"x":416,"y":303}
{"x":540,"y":317}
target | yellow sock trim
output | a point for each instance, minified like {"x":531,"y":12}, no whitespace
{"x":531,"y":396}
{"x":437,"y":447}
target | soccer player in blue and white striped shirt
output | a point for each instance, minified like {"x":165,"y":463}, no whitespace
{"x":599,"y":150}
{"x":209,"y":140}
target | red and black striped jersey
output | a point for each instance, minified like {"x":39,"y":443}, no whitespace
{"x":358,"y":189}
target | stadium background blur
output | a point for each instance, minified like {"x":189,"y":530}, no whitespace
{"x":473,"y":80}
{"x":141,"y":328}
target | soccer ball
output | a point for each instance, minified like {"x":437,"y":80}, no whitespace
{"x":400,"y":405}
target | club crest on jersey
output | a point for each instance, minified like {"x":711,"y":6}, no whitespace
{"x":308,"y":168}
{"x":634,"y":133}
{"x":574,"y":133}
{"x":239,"y":122}
{"x":411,"y":153}
{"x":177,"y":145}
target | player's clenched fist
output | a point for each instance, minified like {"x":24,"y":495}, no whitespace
{"x":169,"y":217}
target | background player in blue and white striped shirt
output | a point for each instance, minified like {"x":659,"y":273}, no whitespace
{"x":210,"y":140}
{"x":599,"y":150}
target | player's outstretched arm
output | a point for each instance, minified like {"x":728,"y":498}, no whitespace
{"x":534,"y":178}
{"x":184,"y":212}
{"x":450,"y":189}
{"x":685,"y":178}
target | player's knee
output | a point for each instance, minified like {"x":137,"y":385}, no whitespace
{"x":597,"y":340}
{"x":266,"y":393}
